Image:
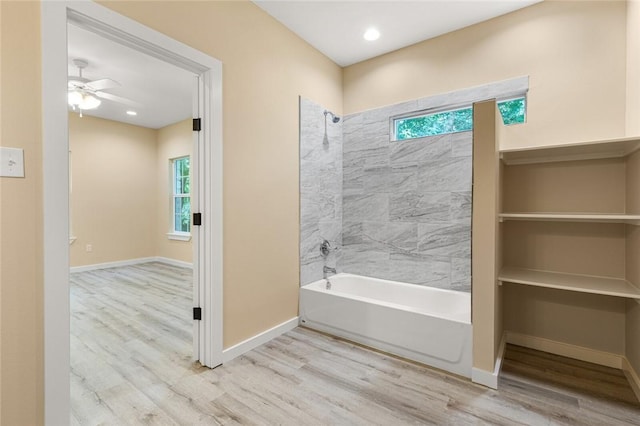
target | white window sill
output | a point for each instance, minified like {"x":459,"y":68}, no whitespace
{"x":179,"y":236}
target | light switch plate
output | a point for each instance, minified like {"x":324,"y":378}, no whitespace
{"x":11,"y":162}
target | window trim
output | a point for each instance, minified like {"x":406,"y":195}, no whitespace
{"x":450,"y":108}
{"x":179,"y":236}
{"x":173,"y":233}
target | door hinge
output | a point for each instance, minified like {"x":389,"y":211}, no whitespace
{"x":197,"y":219}
{"x":197,"y":124}
{"x":197,"y":314}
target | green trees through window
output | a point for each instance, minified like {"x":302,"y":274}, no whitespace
{"x":512,"y":111}
{"x":181,"y":195}
{"x":459,"y":120}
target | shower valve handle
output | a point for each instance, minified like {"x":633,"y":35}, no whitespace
{"x":325,"y":248}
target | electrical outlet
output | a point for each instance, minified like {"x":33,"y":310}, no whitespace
{"x":89,"y":248}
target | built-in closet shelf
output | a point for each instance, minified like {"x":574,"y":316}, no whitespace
{"x":572,"y":282}
{"x":630,"y":219}
{"x":613,"y":148}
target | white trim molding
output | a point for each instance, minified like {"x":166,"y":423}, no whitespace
{"x":259,"y":339}
{"x":129,"y":262}
{"x":114,"y":264}
{"x":581,"y":353}
{"x":490,"y":379}
{"x":484,"y":378}
{"x":179,"y":236}
{"x":632,"y":376}
{"x":173,"y":262}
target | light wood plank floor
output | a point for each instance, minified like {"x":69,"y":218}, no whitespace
{"x":130,"y":364}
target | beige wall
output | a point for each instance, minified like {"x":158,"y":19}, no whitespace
{"x":633,"y":67}
{"x":173,"y":141}
{"x":114,"y":183}
{"x":586,"y":320}
{"x":21,"y":311}
{"x":595,"y":186}
{"x":120,"y":171}
{"x":266,"y":68}
{"x":574,"y":53}
{"x":484,"y":245}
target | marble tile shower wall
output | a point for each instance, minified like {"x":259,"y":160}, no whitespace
{"x":400,"y":210}
{"x":406,"y":204}
{"x":320,"y":190}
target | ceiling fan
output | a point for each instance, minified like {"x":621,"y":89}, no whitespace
{"x":84,"y":94}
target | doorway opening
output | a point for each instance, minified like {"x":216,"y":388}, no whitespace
{"x":206,"y":184}
{"x":131,"y":144}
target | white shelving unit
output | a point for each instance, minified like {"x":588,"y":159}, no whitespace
{"x":611,"y":148}
{"x":631,"y":219}
{"x":556,"y":248}
{"x":584,"y":155}
{"x":572,"y":282}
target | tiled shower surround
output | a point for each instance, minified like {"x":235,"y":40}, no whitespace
{"x":320,"y":190}
{"x":406,"y":204}
{"x":401,"y":209}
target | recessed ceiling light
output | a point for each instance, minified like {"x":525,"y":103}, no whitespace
{"x":132,"y":113}
{"x":371,"y":34}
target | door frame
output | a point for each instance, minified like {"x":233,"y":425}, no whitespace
{"x":208,"y":240}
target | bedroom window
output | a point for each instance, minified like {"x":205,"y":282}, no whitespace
{"x":181,"y":199}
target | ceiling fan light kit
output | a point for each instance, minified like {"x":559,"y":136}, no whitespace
{"x":83,"y":93}
{"x":83,"y":101}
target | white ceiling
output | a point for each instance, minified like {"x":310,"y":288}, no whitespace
{"x":162,"y":92}
{"x":335,"y":28}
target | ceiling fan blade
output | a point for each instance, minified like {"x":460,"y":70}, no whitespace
{"x":102,"y":84}
{"x":118,"y":99}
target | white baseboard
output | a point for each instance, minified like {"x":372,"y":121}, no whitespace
{"x":174,"y":262}
{"x":632,"y":376}
{"x":607,"y":359}
{"x":259,"y":339}
{"x":115,"y":264}
{"x":484,"y":378}
{"x":487,"y":378}
{"x":129,"y":262}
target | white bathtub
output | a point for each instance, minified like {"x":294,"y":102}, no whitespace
{"x":424,"y":324}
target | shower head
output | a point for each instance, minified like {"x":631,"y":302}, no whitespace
{"x":334,"y":117}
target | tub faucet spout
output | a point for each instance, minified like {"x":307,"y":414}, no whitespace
{"x":325,"y":274}
{"x":327,"y":270}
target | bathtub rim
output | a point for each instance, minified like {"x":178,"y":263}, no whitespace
{"x":319,"y":283}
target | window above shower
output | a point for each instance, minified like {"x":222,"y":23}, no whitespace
{"x":419,"y":125}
